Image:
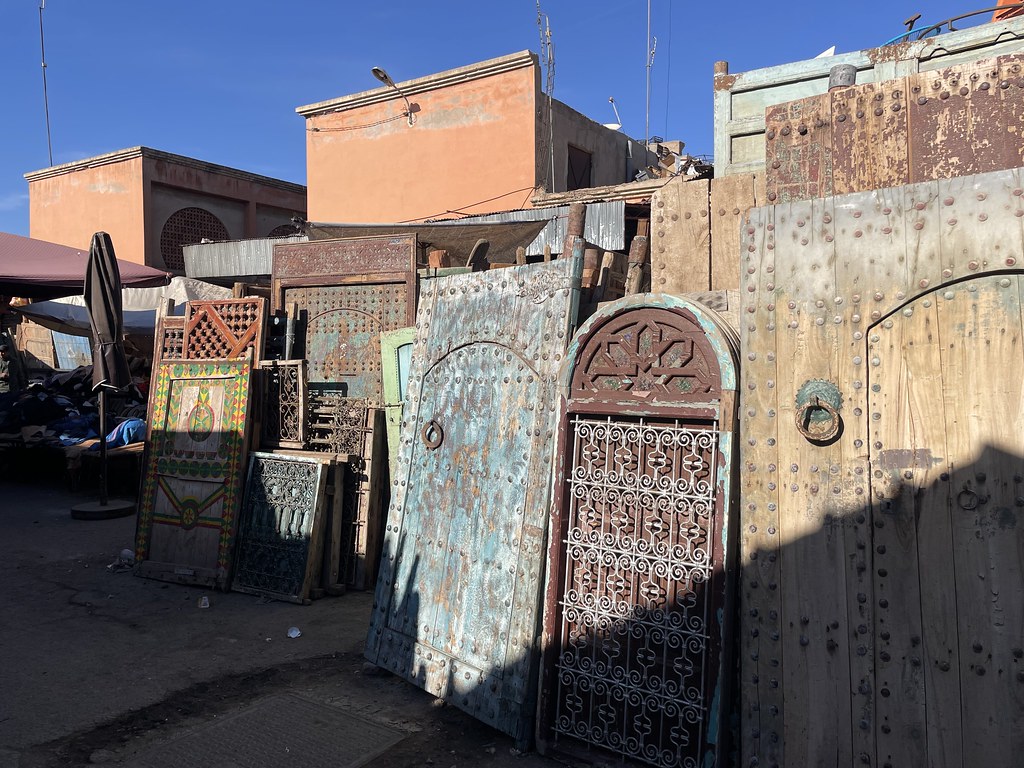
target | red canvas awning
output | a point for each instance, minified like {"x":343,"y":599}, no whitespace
{"x":36,"y":269}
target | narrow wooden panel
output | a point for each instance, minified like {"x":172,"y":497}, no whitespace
{"x":1010,"y":81}
{"x":681,"y":237}
{"x":457,"y":606}
{"x":816,"y":639}
{"x":198,"y":435}
{"x":284,"y":404}
{"x":281,"y":526}
{"x":731,"y":198}
{"x":762,"y":709}
{"x":396,"y":358}
{"x":898,"y":442}
{"x":984,"y":395}
{"x":798,"y":149}
{"x":869,"y":137}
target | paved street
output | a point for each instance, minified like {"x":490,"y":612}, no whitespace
{"x":101,"y":666}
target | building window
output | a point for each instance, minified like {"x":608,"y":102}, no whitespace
{"x":578,"y":176}
{"x":188,"y":226}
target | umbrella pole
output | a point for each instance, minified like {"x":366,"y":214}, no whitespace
{"x":103,"y":446}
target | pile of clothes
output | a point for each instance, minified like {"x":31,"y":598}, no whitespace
{"x":62,"y":410}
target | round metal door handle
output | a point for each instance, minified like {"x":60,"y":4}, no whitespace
{"x":967,"y":499}
{"x":432,"y":434}
{"x":818,"y":431}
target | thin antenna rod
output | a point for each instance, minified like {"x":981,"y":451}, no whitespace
{"x":647,"y":104}
{"x":46,"y":99}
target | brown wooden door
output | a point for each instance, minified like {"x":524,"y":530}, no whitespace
{"x":946,"y":425}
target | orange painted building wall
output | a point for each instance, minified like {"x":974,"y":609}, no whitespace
{"x":68,"y":208}
{"x":471,"y":149}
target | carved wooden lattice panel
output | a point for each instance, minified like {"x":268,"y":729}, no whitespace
{"x":170,"y":339}
{"x":284,"y":415}
{"x":224,"y":329}
{"x":460,"y":578}
{"x":281,"y":525}
{"x":337,"y":424}
{"x":194,"y":469}
{"x":636,"y":654}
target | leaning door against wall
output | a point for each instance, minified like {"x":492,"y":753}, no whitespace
{"x":637,"y":611}
{"x":947,"y":458}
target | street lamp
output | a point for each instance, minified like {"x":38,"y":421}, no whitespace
{"x":385,"y":78}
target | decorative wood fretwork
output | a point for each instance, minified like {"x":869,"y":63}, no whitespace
{"x":224,"y":329}
{"x":281,"y":526}
{"x":647,"y":355}
{"x":284,"y":418}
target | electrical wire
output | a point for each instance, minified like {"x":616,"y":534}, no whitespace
{"x":359,"y":127}
{"x":460,"y":212}
{"x":46,"y":99}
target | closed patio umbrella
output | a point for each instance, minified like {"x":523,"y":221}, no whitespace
{"x":109,"y":364}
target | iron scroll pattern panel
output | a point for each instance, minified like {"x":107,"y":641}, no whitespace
{"x":280,"y":526}
{"x":635,"y":630}
{"x":284,"y":422}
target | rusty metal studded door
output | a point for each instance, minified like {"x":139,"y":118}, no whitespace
{"x":457,"y":600}
{"x":636,"y":627}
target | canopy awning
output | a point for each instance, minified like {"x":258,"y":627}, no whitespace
{"x":37,"y":269}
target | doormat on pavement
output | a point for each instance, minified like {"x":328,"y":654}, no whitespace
{"x":280,"y":730}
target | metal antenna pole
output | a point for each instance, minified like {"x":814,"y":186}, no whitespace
{"x":46,"y":100}
{"x":647,"y":103}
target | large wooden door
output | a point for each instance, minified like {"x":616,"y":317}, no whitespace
{"x":457,"y":607}
{"x":946,"y":425}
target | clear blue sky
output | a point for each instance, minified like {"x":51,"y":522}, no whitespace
{"x":220,"y":81}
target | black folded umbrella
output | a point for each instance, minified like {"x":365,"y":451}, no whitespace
{"x":109,"y":364}
{"x":103,"y":299}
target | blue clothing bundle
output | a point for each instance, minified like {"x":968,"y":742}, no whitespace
{"x":127,"y":432}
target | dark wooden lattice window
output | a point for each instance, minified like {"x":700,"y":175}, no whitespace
{"x":188,"y":226}
{"x":578,"y":176}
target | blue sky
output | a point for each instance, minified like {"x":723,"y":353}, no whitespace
{"x":220,"y":81}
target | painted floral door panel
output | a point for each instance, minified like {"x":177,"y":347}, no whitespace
{"x":193,"y":473}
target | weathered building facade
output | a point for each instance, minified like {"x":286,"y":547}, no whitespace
{"x":477,"y":139}
{"x":152,"y":203}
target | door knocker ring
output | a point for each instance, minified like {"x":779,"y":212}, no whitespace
{"x":432,"y":434}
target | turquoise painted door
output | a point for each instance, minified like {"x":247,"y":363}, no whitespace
{"x":457,"y":609}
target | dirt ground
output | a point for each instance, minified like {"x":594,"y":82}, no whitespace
{"x":98,"y":665}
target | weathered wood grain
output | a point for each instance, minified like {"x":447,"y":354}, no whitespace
{"x":680,"y":254}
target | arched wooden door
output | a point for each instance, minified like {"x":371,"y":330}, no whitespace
{"x":946,"y":425}
{"x":637,"y":606}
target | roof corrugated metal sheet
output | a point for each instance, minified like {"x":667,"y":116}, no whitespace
{"x":605,"y":225}
{"x":233,"y":258}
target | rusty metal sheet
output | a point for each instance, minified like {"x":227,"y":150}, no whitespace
{"x":224,"y":329}
{"x":456,"y":610}
{"x":957,"y":124}
{"x":869,"y":137}
{"x":637,"y":628}
{"x":798,"y":149}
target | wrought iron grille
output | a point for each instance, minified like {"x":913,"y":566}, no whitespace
{"x":638,"y":554}
{"x":281,"y":502}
